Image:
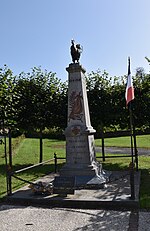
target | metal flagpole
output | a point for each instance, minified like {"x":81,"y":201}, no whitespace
{"x":129,"y":95}
{"x":132,"y":155}
{"x":135,"y":147}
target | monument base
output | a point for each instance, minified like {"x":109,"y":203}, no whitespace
{"x":78,"y":170}
{"x":67,"y":184}
{"x":83,"y":175}
{"x":90,"y":182}
{"x":64,"y":185}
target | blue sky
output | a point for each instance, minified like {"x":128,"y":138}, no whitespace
{"x":38,"y":33}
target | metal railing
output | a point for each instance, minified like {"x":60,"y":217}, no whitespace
{"x":10,"y":173}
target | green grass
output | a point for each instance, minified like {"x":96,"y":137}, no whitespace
{"x":26,"y":153}
{"x":144,"y":165}
{"x":142,"y":141}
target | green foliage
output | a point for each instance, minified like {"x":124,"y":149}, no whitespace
{"x":38,"y":100}
{"x":107,"y":100}
{"x":8,"y":97}
{"x":41,"y":103}
{"x":99,"y":85}
{"x":142,"y":100}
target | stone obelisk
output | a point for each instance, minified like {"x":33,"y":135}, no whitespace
{"x":80,"y":149}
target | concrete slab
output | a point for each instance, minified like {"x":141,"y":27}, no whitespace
{"x":116,"y":195}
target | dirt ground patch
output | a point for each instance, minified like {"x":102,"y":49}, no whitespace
{"x":58,"y":146}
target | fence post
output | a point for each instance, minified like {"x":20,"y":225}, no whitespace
{"x":103,"y":148}
{"x":41,"y":147}
{"x":6,"y":162}
{"x":55,"y":159}
{"x":9,"y":170}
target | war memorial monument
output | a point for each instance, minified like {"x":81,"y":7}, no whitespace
{"x":82,"y":175}
{"x":81,"y":169}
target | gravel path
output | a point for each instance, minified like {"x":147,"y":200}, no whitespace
{"x":15,"y":218}
{"x":20,"y":218}
{"x":144,"y":221}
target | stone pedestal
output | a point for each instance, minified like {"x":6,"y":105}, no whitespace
{"x":80,"y":150}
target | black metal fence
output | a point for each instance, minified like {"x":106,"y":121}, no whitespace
{"x":10,"y":173}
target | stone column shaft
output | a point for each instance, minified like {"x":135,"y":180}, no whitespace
{"x":80,"y":148}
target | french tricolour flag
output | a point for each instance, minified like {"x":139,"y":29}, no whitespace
{"x":129,"y":95}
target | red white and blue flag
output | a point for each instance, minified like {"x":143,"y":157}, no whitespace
{"x":129,"y":95}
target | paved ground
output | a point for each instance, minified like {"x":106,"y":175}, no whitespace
{"x":16,"y":218}
{"x":116,"y":194}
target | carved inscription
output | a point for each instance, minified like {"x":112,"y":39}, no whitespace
{"x":74,"y":80}
{"x":76,"y":149}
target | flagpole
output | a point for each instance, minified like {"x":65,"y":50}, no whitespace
{"x":129,"y":97}
{"x":135,"y":147}
{"x":132,"y":155}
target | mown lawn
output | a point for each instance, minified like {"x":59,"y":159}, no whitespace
{"x":142,"y":141}
{"x":26,"y":153}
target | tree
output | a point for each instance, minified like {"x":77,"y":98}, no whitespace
{"x":40,"y":93}
{"x":99,"y":94}
{"x":8,"y":97}
{"x":141,"y":103}
{"x":38,"y":100}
